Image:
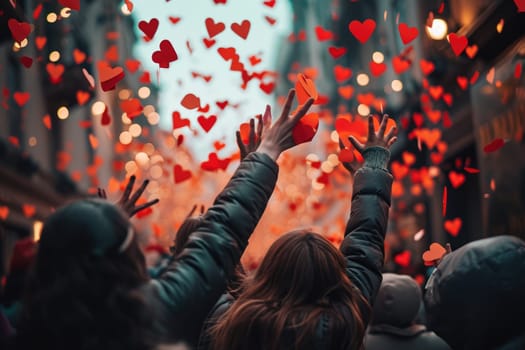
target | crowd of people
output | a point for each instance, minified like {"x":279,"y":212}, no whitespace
{"x":88,"y":287}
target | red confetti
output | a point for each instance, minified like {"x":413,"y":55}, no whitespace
{"x":458,"y":43}
{"x":165,"y":55}
{"x":242,"y":29}
{"x":149,"y":28}
{"x":214,"y":28}
{"x":362,"y":31}
{"x":494,"y":146}
{"x":19,"y":30}
{"x":407,"y":33}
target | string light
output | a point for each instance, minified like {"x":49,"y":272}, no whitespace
{"x":54,"y":56}
{"x":378,"y":57}
{"x":51,"y":17}
{"x":362,"y":79}
{"x":363,"y":110}
{"x":98,"y":108}
{"x":438,"y":30}
{"x":397,"y":85}
{"x":63,"y":113}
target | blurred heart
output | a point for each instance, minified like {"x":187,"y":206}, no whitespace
{"x":165,"y":55}
{"x":207,"y":123}
{"x":149,"y":28}
{"x":241,"y":29}
{"x":458,"y":43}
{"x":362,"y":31}
{"x":214,"y":28}
{"x":407,"y":33}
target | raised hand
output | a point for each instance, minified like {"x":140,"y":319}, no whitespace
{"x":278,"y":138}
{"x":255,"y":136}
{"x":127,"y":203}
{"x":374,"y":139}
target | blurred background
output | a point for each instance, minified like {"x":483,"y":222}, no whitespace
{"x":458,"y":100}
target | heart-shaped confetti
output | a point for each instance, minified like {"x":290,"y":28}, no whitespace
{"x":323,"y":34}
{"x":72,"y":4}
{"x":456,"y":179}
{"x":207,"y":122}
{"x":214,"y":28}
{"x":377,"y":69}
{"x":178,"y":121}
{"x":132,"y":107}
{"x":342,"y":73}
{"x":453,"y":226}
{"x":362,"y":31}
{"x":494,"y":145}
{"x":337,"y":52}
{"x":458,"y":43}
{"x":180,"y":174}
{"x":403,"y":259}
{"x":21,"y":98}
{"x":435,"y":252}
{"x":241,"y":29}
{"x":149,"y":28}
{"x":407,"y":33}
{"x":306,"y":128}
{"x":214,"y":163}
{"x":165,"y":55}
{"x":190,"y":101}
{"x":108,"y":76}
{"x":520,"y":4}
{"x":19,"y":30}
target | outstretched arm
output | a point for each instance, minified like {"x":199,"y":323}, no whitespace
{"x":363,"y":245}
{"x":197,"y":277}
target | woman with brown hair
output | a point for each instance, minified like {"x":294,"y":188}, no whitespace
{"x":306,"y":294}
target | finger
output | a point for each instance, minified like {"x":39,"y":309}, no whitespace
{"x":104,"y":194}
{"x":144,"y":206}
{"x":357,"y":145}
{"x":99,"y":193}
{"x":392,"y":141}
{"x":240,"y":144}
{"x":259,"y":127}
{"x":391,"y":134}
{"x":287,"y":106}
{"x":304,"y":109}
{"x":128,"y":189}
{"x":191,"y":211}
{"x":449,"y":248}
{"x":382,"y":127}
{"x":139,"y":192}
{"x":251,"y":138}
{"x":202,"y":209}
{"x":371,"y":130}
{"x":267,"y":118}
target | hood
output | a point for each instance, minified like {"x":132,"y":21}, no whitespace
{"x":474,"y":298}
{"x":397,"y":302}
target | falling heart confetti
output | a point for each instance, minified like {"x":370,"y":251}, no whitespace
{"x":132,"y":107}
{"x":403,"y":259}
{"x":377,"y":69}
{"x":165,"y":55}
{"x":337,"y":52}
{"x":190,"y":101}
{"x":520,"y":4}
{"x":456,"y":179}
{"x":149,"y":28}
{"x":323,"y":34}
{"x":453,"y":226}
{"x":178,"y":121}
{"x":19,"y":30}
{"x":494,"y":145}
{"x":180,"y":174}
{"x":458,"y":43}
{"x":72,"y":4}
{"x":242,"y":29}
{"x":407,"y":33}
{"x":362,"y":31}
{"x":207,"y":122}
{"x":214,"y":163}
{"x":342,"y":73}
{"x":21,"y":98}
{"x":108,"y":76}
{"x":214,"y":28}
{"x":435,"y":252}
{"x":26,"y":61}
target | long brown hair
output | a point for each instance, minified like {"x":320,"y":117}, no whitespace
{"x":300,"y":283}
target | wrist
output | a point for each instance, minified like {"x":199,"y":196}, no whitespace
{"x":376,"y":157}
{"x":270,"y":150}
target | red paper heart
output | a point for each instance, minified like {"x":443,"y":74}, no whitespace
{"x":306,"y":128}
{"x":55,"y":72}
{"x":436,"y":92}
{"x":342,"y":73}
{"x":180,"y":174}
{"x":222,"y":104}
{"x":520,"y":4}
{"x":362,"y":31}
{"x":346,"y":92}
{"x":427,"y":67}
{"x":458,"y":43}
{"x":28,"y":210}
{"x":106,"y":117}
{"x":21,"y":98}
{"x":19,"y":30}
{"x":208,"y":42}
{"x":207,"y":123}
{"x":429,"y":137}
{"x":178,"y":121}
{"x":78,"y":56}
{"x":323,"y":34}
{"x":434,"y":253}
{"x":456,"y":179}
{"x":337,"y":52}
{"x":399,"y":171}
{"x":108,"y":76}
{"x":267,"y":88}
{"x":407,"y":33}
{"x":377,"y":68}
{"x":174,"y":20}
{"x":82,"y":97}
{"x":4,"y":212}
{"x":400,"y":64}
{"x":72,"y":4}
{"x":132,"y":107}
{"x":166,"y":55}
{"x":214,"y":28}
{"x":462,"y":82}
{"x":270,"y":20}
{"x":227,"y":53}
{"x":242,"y":29}
{"x":494,"y":145}
{"x":403,"y":259}
{"x":40,"y":42}
{"x":471,"y":170}
{"x":26,"y":61}
{"x":453,"y":226}
{"x":471,"y":51}
{"x":214,"y":163}
{"x":149,"y":28}
{"x":269,"y":3}
{"x":132,"y":65}
{"x":190,"y":101}
{"x":305,"y":89}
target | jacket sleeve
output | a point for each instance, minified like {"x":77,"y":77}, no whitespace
{"x":363,"y":245}
{"x":197,"y":277}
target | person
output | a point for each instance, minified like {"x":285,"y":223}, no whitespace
{"x":474,"y":297}
{"x":393,"y":318}
{"x":306,"y":294}
{"x":90,"y":289}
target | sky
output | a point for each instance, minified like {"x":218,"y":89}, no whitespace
{"x":176,"y":81}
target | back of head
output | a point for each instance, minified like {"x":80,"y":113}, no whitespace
{"x":300,"y":280}
{"x":397,"y":302}
{"x":83,"y":287}
{"x":474,"y":299}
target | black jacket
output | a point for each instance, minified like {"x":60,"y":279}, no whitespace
{"x":184,"y":294}
{"x":395,"y":309}
{"x":362,"y":247}
{"x":474,"y":298}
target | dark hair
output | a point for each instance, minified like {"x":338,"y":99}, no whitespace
{"x":83,"y":291}
{"x":300,"y":281}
